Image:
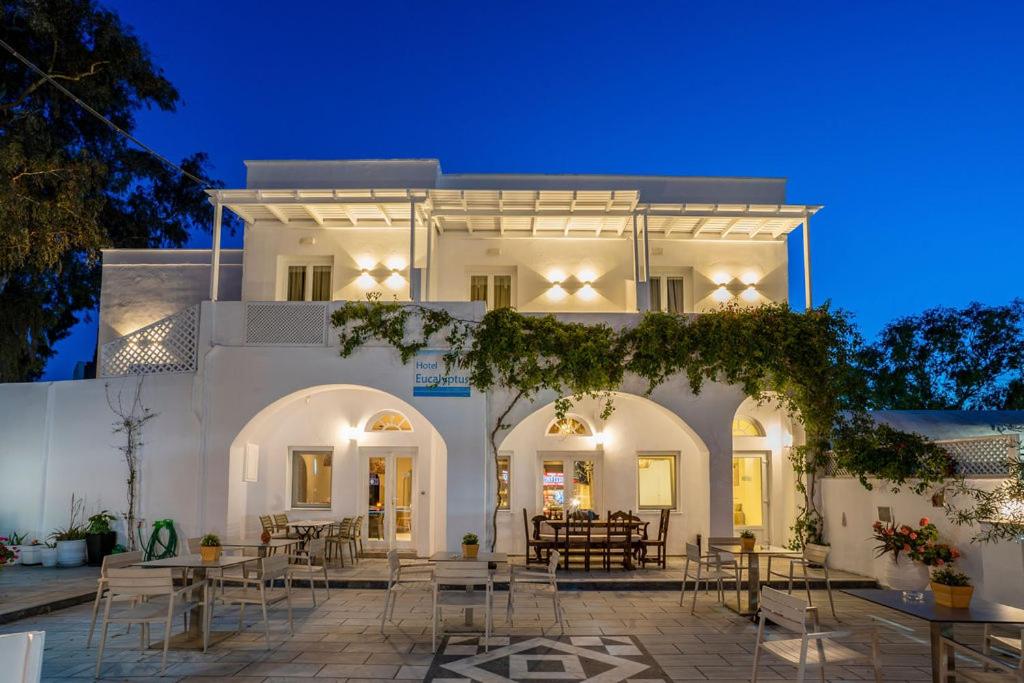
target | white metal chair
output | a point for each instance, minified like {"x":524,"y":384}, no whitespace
{"x":994,"y":670}
{"x":467,"y":575}
{"x":1002,"y":643}
{"x":793,"y":614}
{"x":254,"y":591}
{"x":812,"y":554}
{"x":304,"y":568}
{"x":547,"y":578}
{"x":402,"y":578}
{"x":707,"y":568}
{"x":22,"y":656}
{"x":109,"y":562}
{"x":154,"y":600}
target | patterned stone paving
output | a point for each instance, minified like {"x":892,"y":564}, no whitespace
{"x":340,"y":640}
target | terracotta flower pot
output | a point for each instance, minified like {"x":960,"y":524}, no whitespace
{"x":748,"y":543}
{"x":958,"y":597}
{"x":210,"y":553}
{"x":470,"y":551}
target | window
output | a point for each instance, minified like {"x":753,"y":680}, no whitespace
{"x":656,"y":482}
{"x":389,"y":421}
{"x":495,"y":290}
{"x":569,"y":426}
{"x":569,"y":482}
{"x":504,"y":482}
{"x":308,"y":282}
{"x":311,"y":479}
{"x":667,"y":293}
{"x":746,"y":426}
{"x":748,"y":490}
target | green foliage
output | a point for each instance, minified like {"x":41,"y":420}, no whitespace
{"x":998,"y":511}
{"x":470,"y":539}
{"x":75,"y":529}
{"x":746,"y":533}
{"x":69,"y":185}
{"x":947,"y":576}
{"x":970,"y":358}
{"x":100,"y":522}
{"x":210,"y":541}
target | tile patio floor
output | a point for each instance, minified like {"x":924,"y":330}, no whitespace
{"x":340,"y":640}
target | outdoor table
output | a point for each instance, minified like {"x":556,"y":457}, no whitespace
{"x":627,"y":561}
{"x":940,"y":619}
{"x":492,"y":560}
{"x":310,"y":528}
{"x":193,"y":638}
{"x":263,"y":548}
{"x":753,"y":559}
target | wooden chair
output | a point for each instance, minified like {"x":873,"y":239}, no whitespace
{"x":281,"y":525}
{"x":254,"y":591}
{"x":22,"y":656}
{"x":109,"y":562}
{"x":139,"y":587}
{"x":707,"y":568}
{"x":302,"y":566}
{"x":1002,"y":642}
{"x":578,"y":529}
{"x":267,"y":524}
{"x":793,"y":614}
{"x":547,"y":578}
{"x":402,"y":578}
{"x":538,"y":549}
{"x":618,"y":537}
{"x":812,"y":554}
{"x":660,"y":544}
{"x":466,"y":575}
{"x":994,"y":669}
{"x":357,"y":534}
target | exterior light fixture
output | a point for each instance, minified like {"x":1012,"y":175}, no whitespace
{"x":722,"y":294}
{"x":395,"y":280}
{"x":599,"y":438}
{"x":350,"y":433}
{"x":750,"y":294}
{"x":365,"y":279}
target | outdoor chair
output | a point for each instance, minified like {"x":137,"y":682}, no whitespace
{"x":659,"y":544}
{"x":153,"y":600}
{"x":281,"y":524}
{"x":538,"y":548}
{"x":302,"y":566}
{"x":466,"y":576}
{"x":619,"y":536}
{"x":357,"y":533}
{"x":728,"y":560}
{"x":402,"y":578}
{"x":994,"y":669}
{"x":707,"y":568}
{"x":253,"y":590}
{"x":547,"y":578}
{"x":1002,"y":643}
{"x":812,"y":554}
{"x":22,"y":656}
{"x":343,"y":538}
{"x":814,"y":647}
{"x":267,"y":524}
{"x":109,"y":562}
{"x":577,"y":541}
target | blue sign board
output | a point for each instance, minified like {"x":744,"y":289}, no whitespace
{"x":432,"y":380}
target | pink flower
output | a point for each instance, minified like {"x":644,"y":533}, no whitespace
{"x":925,"y":521}
{"x":906,"y":548}
{"x":913,"y":536}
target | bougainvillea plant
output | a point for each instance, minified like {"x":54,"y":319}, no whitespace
{"x":7,"y":553}
{"x":918,"y":544}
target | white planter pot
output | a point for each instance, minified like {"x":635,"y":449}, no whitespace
{"x":905,"y":575}
{"x":30,"y":554}
{"x":71,"y":553}
{"x":48,"y":557}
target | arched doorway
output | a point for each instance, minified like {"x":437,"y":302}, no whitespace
{"x":342,"y":451}
{"x":643,"y":458}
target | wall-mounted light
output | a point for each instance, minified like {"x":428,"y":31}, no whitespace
{"x":349,"y":433}
{"x":787,"y":439}
{"x":395,"y":280}
{"x":365,"y":279}
{"x":721,"y":278}
{"x":750,"y":278}
{"x":722,"y":294}
{"x":307,"y":241}
{"x":750,"y":294}
{"x":587,"y":292}
{"x":600,"y":438}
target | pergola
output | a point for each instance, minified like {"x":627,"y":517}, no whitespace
{"x":518,"y":213}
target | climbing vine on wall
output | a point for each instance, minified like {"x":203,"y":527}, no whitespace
{"x":803,"y":362}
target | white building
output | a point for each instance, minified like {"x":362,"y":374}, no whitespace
{"x":258,"y":413}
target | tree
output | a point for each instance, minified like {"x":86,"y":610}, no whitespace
{"x":949,"y":359}
{"x":69,"y":184}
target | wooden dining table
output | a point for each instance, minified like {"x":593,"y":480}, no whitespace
{"x":639,"y":525}
{"x":310,"y":528}
{"x":752,"y":559}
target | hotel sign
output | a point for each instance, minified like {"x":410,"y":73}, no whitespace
{"x":430,"y":378}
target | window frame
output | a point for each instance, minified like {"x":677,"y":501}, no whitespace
{"x":290,"y":480}
{"x":674,"y":455}
{"x":490,"y":274}
{"x":663,"y":275}
{"x":507,"y":456}
{"x":309,"y":263}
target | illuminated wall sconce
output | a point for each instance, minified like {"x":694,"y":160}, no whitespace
{"x":366,"y":280}
{"x":750,"y":294}
{"x":395,"y":280}
{"x":750,"y":278}
{"x":787,"y":439}
{"x":350,"y":433}
{"x":721,"y":294}
{"x":600,"y":438}
{"x":587,"y":292}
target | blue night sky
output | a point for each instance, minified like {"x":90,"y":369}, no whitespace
{"x":903,"y":119}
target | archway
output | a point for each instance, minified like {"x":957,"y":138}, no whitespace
{"x":319,"y":452}
{"x":642,"y":458}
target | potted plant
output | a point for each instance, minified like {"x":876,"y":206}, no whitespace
{"x":30,"y":552}
{"x":70,"y":539}
{"x":14,"y":542}
{"x":209,"y":547}
{"x":100,"y":538}
{"x":7,"y":553}
{"x":48,"y":555}
{"x":952,"y":588}
{"x":904,"y":548}
{"x":470,"y":546}
{"x":747,"y":540}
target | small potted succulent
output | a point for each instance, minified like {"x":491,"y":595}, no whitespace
{"x":747,"y":540}
{"x":209,"y":547}
{"x":470,"y":546}
{"x":48,"y":554}
{"x":952,"y":588}
{"x":100,"y":537}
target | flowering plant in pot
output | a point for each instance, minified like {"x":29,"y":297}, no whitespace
{"x":952,"y":588}
{"x":470,"y":545}
{"x":7,"y":553}
{"x":747,"y":540}
{"x":209,"y":547}
{"x":898,"y":542}
{"x":100,"y":537}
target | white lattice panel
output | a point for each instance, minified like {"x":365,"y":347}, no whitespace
{"x":166,"y":346}
{"x":987,"y":456}
{"x":290,"y":323}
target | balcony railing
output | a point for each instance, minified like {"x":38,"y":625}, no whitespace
{"x":163,"y":347}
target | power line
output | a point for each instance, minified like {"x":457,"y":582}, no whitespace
{"x":24,"y":60}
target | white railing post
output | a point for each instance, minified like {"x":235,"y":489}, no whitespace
{"x":218,"y":213}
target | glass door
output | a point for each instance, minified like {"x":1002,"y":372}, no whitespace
{"x":750,"y":493}
{"x":569,"y":481}
{"x":391,"y":485}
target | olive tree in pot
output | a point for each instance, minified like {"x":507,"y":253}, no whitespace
{"x":100,"y":537}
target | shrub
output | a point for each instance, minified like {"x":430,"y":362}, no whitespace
{"x":470,"y":539}
{"x":210,"y":541}
{"x":947,"y":576}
